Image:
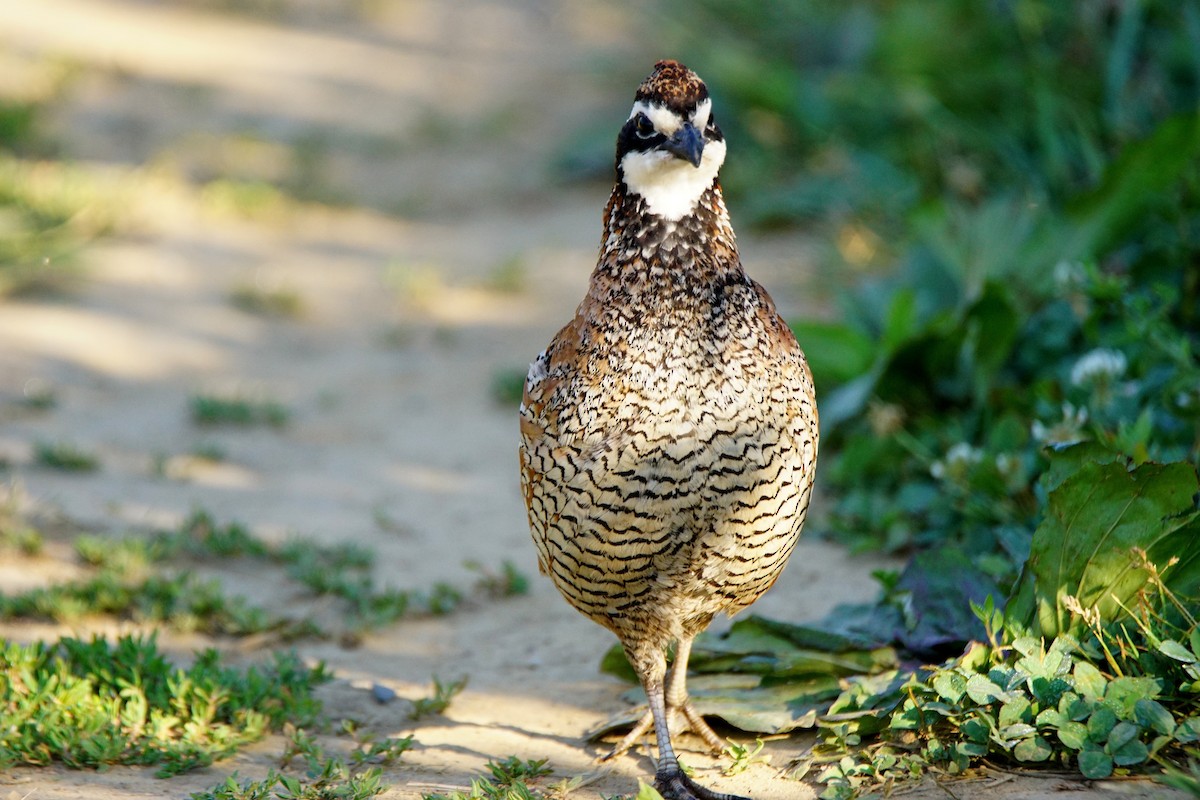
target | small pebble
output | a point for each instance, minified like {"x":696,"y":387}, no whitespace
{"x":382,"y":694}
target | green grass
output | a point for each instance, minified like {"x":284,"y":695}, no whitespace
{"x":92,"y":704}
{"x":182,"y":602}
{"x":48,"y":213}
{"x":512,"y":778}
{"x":439,"y":701}
{"x":214,"y":409}
{"x":26,"y":540}
{"x":64,"y":456}
{"x":134,"y":578}
{"x":334,"y":780}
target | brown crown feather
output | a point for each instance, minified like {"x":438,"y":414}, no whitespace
{"x":673,"y":85}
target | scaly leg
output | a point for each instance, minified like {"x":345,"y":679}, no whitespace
{"x":669,"y":777}
{"x":677,"y":703}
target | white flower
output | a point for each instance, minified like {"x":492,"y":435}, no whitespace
{"x":959,"y":458}
{"x":1066,"y":431}
{"x":963,"y":453}
{"x":1099,"y":366}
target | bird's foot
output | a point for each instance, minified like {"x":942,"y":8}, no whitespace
{"x":691,"y":722}
{"x":675,"y":785}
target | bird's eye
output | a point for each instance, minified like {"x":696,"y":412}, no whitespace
{"x":645,"y":128}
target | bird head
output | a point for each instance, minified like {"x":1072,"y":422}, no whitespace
{"x":670,"y":149}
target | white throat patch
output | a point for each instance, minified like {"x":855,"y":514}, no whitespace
{"x":671,"y":186}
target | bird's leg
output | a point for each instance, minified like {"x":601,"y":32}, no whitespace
{"x":669,"y":777}
{"x":677,"y":703}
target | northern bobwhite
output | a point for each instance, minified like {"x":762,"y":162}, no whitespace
{"x":669,"y":431}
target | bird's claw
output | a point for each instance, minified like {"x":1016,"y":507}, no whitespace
{"x":675,"y":785}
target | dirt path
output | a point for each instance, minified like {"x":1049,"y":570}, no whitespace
{"x":449,"y":255}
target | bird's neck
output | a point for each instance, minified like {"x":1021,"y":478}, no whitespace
{"x":646,"y":253}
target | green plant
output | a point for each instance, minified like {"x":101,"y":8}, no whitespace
{"x":279,"y":303}
{"x":183,"y":602}
{"x":128,"y":582}
{"x":1122,"y":699}
{"x":89,"y":704}
{"x":211,"y":409}
{"x":385,"y":752}
{"x":64,"y":456}
{"x":741,"y":757}
{"x":509,"y":781}
{"x":439,"y":701}
{"x":326,"y":777}
{"x":49,"y":212}
{"x":23,"y":538}
{"x":509,"y":582}
{"x":331,"y":780}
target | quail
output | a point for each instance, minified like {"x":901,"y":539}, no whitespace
{"x":669,"y":430}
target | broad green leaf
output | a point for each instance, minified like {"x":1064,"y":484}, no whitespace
{"x":1073,"y":735}
{"x":758,"y":646}
{"x":1132,"y":752}
{"x":1034,"y":749}
{"x":847,"y":400}
{"x":1153,"y":715}
{"x":976,"y":730}
{"x":1067,"y":460}
{"x":1121,"y":734}
{"x":1089,"y":682}
{"x":1048,"y":692}
{"x":1100,"y":724}
{"x":765,"y":709}
{"x":1028,"y":645}
{"x":1095,"y":764}
{"x":983,"y":691}
{"x":972,"y":749}
{"x":1082,"y":547}
{"x":1014,"y":711}
{"x":1188,"y":731}
{"x":949,"y":685}
{"x":1050,"y":717}
{"x":1019,"y":730}
{"x":1123,"y":694}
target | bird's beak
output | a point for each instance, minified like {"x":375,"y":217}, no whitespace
{"x":687,"y":143}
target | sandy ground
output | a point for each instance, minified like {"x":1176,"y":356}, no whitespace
{"x":446,"y":251}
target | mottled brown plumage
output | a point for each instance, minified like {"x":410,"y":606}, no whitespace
{"x":669,"y":431}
